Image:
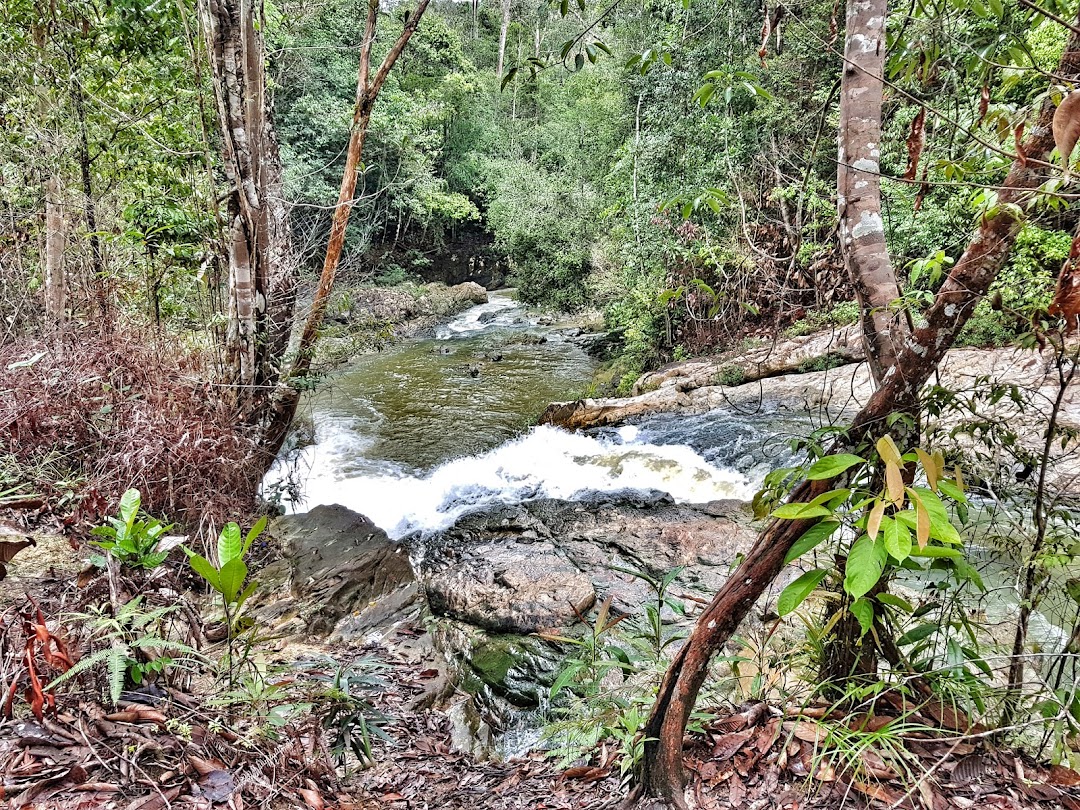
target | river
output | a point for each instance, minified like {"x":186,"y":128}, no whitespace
{"x":418,"y":434}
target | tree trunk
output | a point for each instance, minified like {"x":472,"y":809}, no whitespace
{"x":99,"y":282}
{"x":261,"y":268}
{"x":504,"y":26}
{"x":286,"y":396}
{"x":55,"y":237}
{"x":917,"y":358}
{"x":858,"y":185}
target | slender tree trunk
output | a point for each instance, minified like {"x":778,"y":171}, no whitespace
{"x":261,"y":267}
{"x":858,"y":185}
{"x":917,"y":359}
{"x":99,"y":282}
{"x":55,"y":239}
{"x":504,"y":26}
{"x":287,"y":396}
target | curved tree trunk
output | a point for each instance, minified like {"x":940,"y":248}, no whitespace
{"x":286,"y":395}
{"x":917,"y":358}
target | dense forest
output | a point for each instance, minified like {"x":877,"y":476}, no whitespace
{"x":850,"y":231}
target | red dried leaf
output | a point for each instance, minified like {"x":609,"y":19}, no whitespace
{"x":1067,"y":128}
{"x":915,"y":141}
{"x":1066,"y":303}
{"x":984,"y":104}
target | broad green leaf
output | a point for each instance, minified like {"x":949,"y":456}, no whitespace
{"x":897,"y":539}
{"x":919,"y":633}
{"x":832,"y":466}
{"x":951,"y":490}
{"x":229,"y":544}
{"x":937,"y":552}
{"x":795,"y":594}
{"x":863,"y":610}
{"x":205,"y":570}
{"x":865,"y":563}
{"x":811,"y":538}
{"x":232,"y":576}
{"x":129,"y":506}
{"x":892,"y":600}
{"x":797,"y":511}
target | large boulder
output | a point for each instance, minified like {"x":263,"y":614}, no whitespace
{"x":537,"y":565}
{"x":341,"y":566}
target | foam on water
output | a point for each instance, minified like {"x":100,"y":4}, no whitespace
{"x":546,"y":462}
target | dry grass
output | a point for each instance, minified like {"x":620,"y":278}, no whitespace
{"x":102,"y":414}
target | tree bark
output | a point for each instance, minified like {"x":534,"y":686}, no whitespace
{"x":286,"y":396}
{"x":858,"y":185}
{"x":917,"y":358}
{"x":55,"y":238}
{"x":258,"y":245}
{"x":504,"y":27}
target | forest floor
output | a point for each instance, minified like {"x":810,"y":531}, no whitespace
{"x":169,"y":748}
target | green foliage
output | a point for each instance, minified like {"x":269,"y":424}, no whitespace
{"x":130,"y":538}
{"x":135,"y":646}
{"x":882,"y":514}
{"x":229,"y":579}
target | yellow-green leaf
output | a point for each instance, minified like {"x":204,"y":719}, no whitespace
{"x":888,"y":450}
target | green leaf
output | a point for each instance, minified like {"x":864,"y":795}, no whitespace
{"x":229,"y":544}
{"x":579,"y":61}
{"x":952,"y":490}
{"x":232,"y":574}
{"x":205,"y":569}
{"x":863,"y":610}
{"x":897,"y":539}
{"x":892,"y":600}
{"x":253,"y":534}
{"x":129,"y":506}
{"x":832,"y":466}
{"x":795,"y":593}
{"x":811,"y":538}
{"x":941,"y":527}
{"x":865,"y":564}
{"x":919,"y":633}
{"x":564,"y":7}
{"x":798,"y":511}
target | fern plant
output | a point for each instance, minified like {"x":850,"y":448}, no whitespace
{"x":127,"y":634}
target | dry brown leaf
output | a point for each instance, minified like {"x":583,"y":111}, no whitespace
{"x":312,"y":798}
{"x":1060,"y":775}
{"x":725,"y":747}
{"x":810,"y":732}
{"x":1067,"y":128}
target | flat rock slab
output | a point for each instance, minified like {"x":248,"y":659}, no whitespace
{"x":533,"y":566}
{"x":511,"y":583}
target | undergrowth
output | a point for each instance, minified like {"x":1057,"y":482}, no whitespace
{"x":83,"y":420}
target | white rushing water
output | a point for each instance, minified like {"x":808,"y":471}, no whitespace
{"x":545,"y":462}
{"x":412,"y":439}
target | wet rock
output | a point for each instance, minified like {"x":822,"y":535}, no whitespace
{"x":518,"y":568}
{"x":487,"y":317}
{"x":512,"y":583}
{"x":340,"y":564}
